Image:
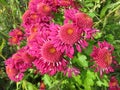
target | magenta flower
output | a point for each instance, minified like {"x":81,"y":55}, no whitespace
{"x":50,"y":60}
{"x":16,"y":35}
{"x":43,"y":9}
{"x":13,"y":74}
{"x":38,"y":5}
{"x":18,"y":64}
{"x":70,"y":15}
{"x":103,"y":58}
{"x":29,"y":18}
{"x":65,"y":2}
{"x":113,"y":84}
{"x":66,"y":37}
{"x":82,"y":20}
{"x":71,"y":71}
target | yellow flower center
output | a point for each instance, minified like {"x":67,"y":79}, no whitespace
{"x":33,"y":16}
{"x":46,"y":8}
{"x":108,"y":58}
{"x":70,"y":31}
{"x":34,"y":29}
{"x":14,"y":39}
{"x":52,"y":50}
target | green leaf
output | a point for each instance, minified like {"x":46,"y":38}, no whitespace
{"x":91,"y":14}
{"x":91,"y":74}
{"x":98,"y":35}
{"x":99,"y":83}
{"x":104,"y":9}
{"x":2,"y":45}
{"x":109,"y":38}
{"x":78,"y":79}
{"x":81,"y":60}
{"x":28,"y":86}
{"x":47,"y":80}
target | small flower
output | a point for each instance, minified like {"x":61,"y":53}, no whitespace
{"x":16,"y":35}
{"x":50,"y":60}
{"x":103,"y":57}
{"x":14,"y":41}
{"x":22,"y":60}
{"x":29,"y":18}
{"x":43,"y":9}
{"x":70,"y":15}
{"x":13,"y":73}
{"x":65,"y":2}
{"x":83,"y":20}
{"x":49,"y":53}
{"x":113,"y":84}
{"x":66,"y":37}
{"x":68,"y":34}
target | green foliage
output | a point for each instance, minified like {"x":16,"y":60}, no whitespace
{"x":80,"y":60}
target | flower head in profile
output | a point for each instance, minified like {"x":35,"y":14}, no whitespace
{"x":66,"y":37}
{"x":50,"y":60}
{"x":71,"y":71}
{"x":102,"y":56}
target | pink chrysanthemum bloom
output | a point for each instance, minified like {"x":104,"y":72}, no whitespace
{"x":14,"y":41}
{"x":29,"y":18}
{"x":70,"y":14}
{"x":22,"y":59}
{"x":32,"y":29}
{"x":113,"y":84}
{"x":36,"y":40}
{"x":70,"y":71}
{"x":66,"y":37}
{"x":18,"y":64}
{"x":82,"y":20}
{"x":65,"y":2}
{"x":103,"y":58}
{"x":13,"y":74}
{"x":44,"y":6}
{"x":50,"y":60}
{"x":43,"y":9}
{"x":16,"y":32}
{"x":37,"y":28}
{"x":89,"y":33}
{"x":16,"y":35}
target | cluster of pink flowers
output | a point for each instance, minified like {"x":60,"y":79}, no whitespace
{"x":18,"y":64}
{"x":48,"y":43}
